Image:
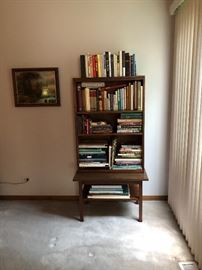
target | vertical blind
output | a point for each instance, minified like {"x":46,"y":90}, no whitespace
{"x":185,"y":164}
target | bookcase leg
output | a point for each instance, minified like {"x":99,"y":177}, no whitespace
{"x":140,"y":202}
{"x":81,"y":202}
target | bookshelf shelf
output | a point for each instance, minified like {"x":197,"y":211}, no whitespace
{"x":104,"y":112}
{"x":104,"y":106}
{"x":110,"y":135}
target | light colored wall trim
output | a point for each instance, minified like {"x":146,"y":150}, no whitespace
{"x":36,"y":197}
{"x":68,"y":198}
{"x":155,"y":198}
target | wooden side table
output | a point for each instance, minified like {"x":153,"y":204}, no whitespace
{"x":133,"y":179}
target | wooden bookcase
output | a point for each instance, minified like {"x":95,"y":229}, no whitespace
{"x":109,"y":122}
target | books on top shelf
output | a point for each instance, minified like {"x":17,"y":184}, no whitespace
{"x":108,"y":64}
{"x":109,"y":192}
{"x":91,"y":96}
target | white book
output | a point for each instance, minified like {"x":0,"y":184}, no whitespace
{"x":86,"y":65}
{"x":110,"y":156}
{"x":115,"y":65}
{"x":92,"y":164}
{"x":106,"y":186}
{"x":110,"y":196}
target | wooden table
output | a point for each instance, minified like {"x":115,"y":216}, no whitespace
{"x":133,"y":179}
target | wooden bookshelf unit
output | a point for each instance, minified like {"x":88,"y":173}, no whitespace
{"x":109,"y":127}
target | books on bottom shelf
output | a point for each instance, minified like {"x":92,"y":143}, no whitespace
{"x":93,"y":164}
{"x":126,"y":167}
{"x":109,"y":192}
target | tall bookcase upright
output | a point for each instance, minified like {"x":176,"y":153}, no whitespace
{"x":109,"y":123}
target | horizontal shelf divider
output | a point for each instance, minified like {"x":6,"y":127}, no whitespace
{"x":107,"y":112}
{"x":110,"y":134}
{"x":110,"y":79}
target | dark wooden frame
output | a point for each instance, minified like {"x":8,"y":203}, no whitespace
{"x":96,"y":176}
{"x":76,"y":113}
{"x":29,"y":97}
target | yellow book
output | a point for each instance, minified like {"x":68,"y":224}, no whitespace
{"x":87,"y":99}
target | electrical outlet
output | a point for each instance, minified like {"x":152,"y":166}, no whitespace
{"x":188,"y":265}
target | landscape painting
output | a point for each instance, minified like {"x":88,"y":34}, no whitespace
{"x":36,"y":86}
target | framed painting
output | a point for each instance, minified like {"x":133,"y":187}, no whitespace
{"x":36,"y":86}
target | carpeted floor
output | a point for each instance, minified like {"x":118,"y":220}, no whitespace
{"x":46,"y":235}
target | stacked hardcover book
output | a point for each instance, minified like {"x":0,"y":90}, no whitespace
{"x":87,"y":126}
{"x":109,"y":192}
{"x":129,"y":157}
{"x":108,"y":64}
{"x":130,"y":122}
{"x":93,"y":155}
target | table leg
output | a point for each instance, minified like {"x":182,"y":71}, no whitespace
{"x":140,"y":202}
{"x":81,"y":202}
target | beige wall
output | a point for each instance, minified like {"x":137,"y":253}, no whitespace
{"x":39,"y":142}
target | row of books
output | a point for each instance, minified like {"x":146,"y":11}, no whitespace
{"x":108,"y":64}
{"x":111,"y":98}
{"x":109,"y":192}
{"x":103,"y":155}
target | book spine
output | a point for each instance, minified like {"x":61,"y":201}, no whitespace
{"x":87,"y":98}
{"x":82,"y":66}
{"x":132,"y":64}
{"x":112,"y":64}
{"x":107,"y":60}
{"x":115,"y":65}
{"x":139,"y":96}
{"x":135,"y":95}
{"x":127,"y":64}
{"x":99,"y":64}
{"x":120,"y":64}
{"x":79,"y":98}
{"x":86,"y":66}
{"x":123,"y":64}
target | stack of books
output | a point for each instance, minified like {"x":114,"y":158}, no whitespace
{"x":93,"y":155}
{"x":108,"y":64}
{"x":87,"y":126}
{"x":129,"y":157}
{"x":109,"y":192}
{"x":130,"y":122}
{"x":100,"y":127}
